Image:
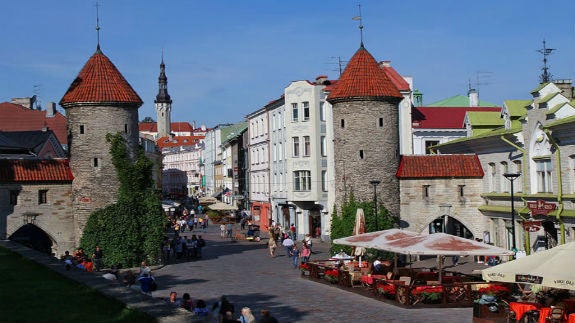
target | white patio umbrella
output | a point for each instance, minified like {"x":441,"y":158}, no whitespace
{"x":222,"y":207}
{"x":551,"y":268}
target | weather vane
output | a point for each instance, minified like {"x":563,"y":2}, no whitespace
{"x":98,"y":23}
{"x":545,"y":76}
{"x":360,"y":23}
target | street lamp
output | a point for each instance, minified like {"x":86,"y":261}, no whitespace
{"x":375,"y":183}
{"x":511,"y":177}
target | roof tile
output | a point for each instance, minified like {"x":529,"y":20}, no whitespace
{"x":99,"y":81}
{"x":14,"y":117}
{"x":446,"y":166}
{"x":363,"y":78}
{"x":35,"y":170}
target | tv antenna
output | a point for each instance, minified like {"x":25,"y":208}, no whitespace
{"x":340,"y":64}
{"x":545,"y":76}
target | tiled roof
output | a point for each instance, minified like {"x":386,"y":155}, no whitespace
{"x":99,"y":81}
{"x":179,"y":141}
{"x":446,"y":166}
{"x":444,"y":117}
{"x":35,"y":170}
{"x":174,"y":126}
{"x":397,"y":79}
{"x":14,"y":117}
{"x":363,"y":78}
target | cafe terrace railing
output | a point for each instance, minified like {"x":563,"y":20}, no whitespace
{"x":454,"y":291}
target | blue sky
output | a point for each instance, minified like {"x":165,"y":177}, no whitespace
{"x":225,"y":59}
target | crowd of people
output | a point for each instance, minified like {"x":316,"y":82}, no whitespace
{"x":222,"y":311}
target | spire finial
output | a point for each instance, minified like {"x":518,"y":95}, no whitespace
{"x":545,"y":76}
{"x":360,"y":24}
{"x":98,"y":23}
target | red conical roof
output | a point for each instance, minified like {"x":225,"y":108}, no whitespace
{"x":363,"y":78}
{"x":99,"y":81}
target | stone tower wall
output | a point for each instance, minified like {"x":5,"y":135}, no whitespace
{"x":362,"y":133}
{"x":96,"y":185}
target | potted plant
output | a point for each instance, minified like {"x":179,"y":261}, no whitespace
{"x":331,"y":275}
{"x":304,"y":268}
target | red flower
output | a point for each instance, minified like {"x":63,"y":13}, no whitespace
{"x":494,"y":290}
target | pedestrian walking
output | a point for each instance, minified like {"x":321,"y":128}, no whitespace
{"x":288,"y":244}
{"x":267,"y":317}
{"x":229,"y":228}
{"x":295,"y":254}
{"x":272,"y":247}
{"x":222,"y":230}
{"x":98,"y":258}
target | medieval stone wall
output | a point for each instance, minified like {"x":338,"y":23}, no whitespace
{"x":366,"y":147}
{"x":95,"y":182}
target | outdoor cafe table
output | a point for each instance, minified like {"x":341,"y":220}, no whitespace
{"x":520,"y":308}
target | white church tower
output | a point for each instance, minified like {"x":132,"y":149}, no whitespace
{"x":163,"y":103}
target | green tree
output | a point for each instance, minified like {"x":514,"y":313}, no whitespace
{"x":130,"y":230}
{"x":342,"y":222}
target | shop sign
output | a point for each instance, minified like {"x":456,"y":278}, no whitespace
{"x":541,"y":207}
{"x":532,"y":226}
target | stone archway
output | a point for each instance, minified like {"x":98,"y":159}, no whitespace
{"x":33,"y":237}
{"x":450,"y":225}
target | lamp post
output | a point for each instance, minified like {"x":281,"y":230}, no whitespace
{"x":511,"y":177}
{"x":375,"y":183}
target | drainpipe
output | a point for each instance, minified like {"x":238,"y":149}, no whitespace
{"x":559,"y":185}
{"x":523,"y":172}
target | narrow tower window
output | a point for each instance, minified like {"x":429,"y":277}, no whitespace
{"x":81,"y":129}
{"x":342,"y":123}
{"x":125,"y":127}
{"x":425,"y":192}
{"x":95,"y":162}
{"x":381,"y":122}
{"x":42,"y":196}
{"x":361,"y":154}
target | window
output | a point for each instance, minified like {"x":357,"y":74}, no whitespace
{"x":95,"y":162}
{"x":295,"y":152}
{"x":42,"y":196}
{"x":280,"y":151}
{"x":543,"y":168}
{"x":294,"y":112}
{"x":14,"y":197}
{"x":425,"y":192}
{"x":342,"y":122}
{"x":125,"y":128}
{"x":518,"y":185}
{"x":322,"y":111}
{"x":461,"y":191}
{"x":491,"y":177}
{"x":275,"y":152}
{"x":380,"y":122}
{"x":323,"y":146}
{"x":361,"y":154}
{"x":302,"y":180}
{"x":324,"y":180}
{"x":572,"y":172}
{"x":505,"y":184}
{"x":305,"y":111}
{"x":429,"y":144}
{"x":81,"y":129}
{"x":306,"y":146}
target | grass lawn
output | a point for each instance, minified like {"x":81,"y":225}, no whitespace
{"x":30,"y":292}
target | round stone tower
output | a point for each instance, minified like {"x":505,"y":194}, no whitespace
{"x":365,"y":106}
{"x":99,"y":102}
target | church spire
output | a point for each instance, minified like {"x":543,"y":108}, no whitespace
{"x":163,"y":103}
{"x":163,"y":96}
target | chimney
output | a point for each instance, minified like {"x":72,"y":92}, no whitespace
{"x":28,"y":103}
{"x":50,"y":109}
{"x":473,"y":98}
{"x":383,"y":64}
{"x":320,"y":80}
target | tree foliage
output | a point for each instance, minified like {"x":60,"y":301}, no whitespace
{"x":342,"y":222}
{"x":130,"y":230}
